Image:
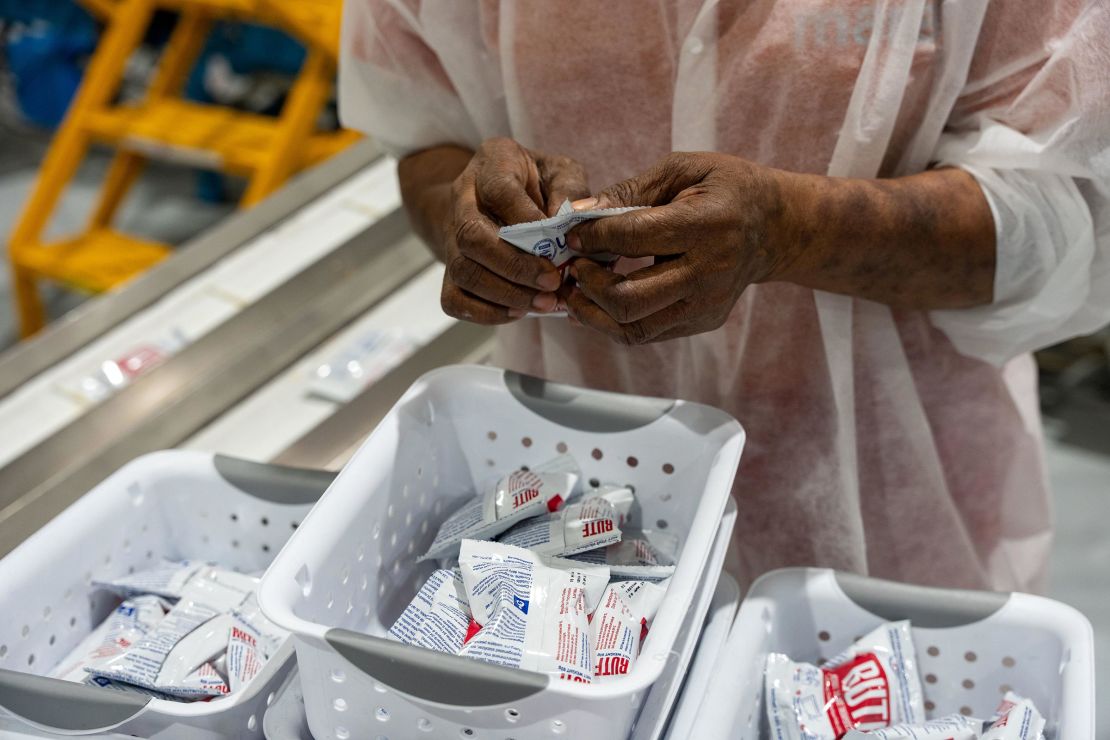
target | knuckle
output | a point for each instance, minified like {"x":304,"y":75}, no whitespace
{"x":464,"y":272}
{"x":468,"y":234}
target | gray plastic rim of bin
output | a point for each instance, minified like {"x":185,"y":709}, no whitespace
{"x":433,"y":676}
{"x":274,"y":483}
{"x":64,"y":705}
{"x":587,"y":411}
{"x":933,"y":608}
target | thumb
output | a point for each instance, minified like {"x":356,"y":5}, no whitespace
{"x":656,"y":186}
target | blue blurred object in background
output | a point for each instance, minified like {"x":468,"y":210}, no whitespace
{"x":46,"y":55}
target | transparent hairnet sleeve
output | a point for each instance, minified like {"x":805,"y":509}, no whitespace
{"x":1033,"y":129}
{"x":394,"y":87}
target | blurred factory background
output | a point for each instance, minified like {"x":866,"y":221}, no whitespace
{"x":136,"y":242}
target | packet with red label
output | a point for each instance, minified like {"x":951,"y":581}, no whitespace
{"x":872,"y":685}
{"x":620,"y":623}
{"x":1016,"y":719}
{"x":588,"y":523}
{"x":518,"y":495}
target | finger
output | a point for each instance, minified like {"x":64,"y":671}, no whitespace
{"x":562,"y":179}
{"x":647,"y":329}
{"x":657,"y":185}
{"x":669,"y":229}
{"x":476,"y":238}
{"x":477,"y":280}
{"x":628,"y":298}
{"x":459,"y":304}
{"x":507,"y":182}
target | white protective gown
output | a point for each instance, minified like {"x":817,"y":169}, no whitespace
{"x":902,"y":444}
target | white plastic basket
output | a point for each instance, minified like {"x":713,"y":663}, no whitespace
{"x":285,"y":718}
{"x":167,"y":504}
{"x":972,"y":646}
{"x":351,"y":569}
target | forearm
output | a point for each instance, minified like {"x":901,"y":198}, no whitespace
{"x":925,"y":241}
{"x":426,"y":178}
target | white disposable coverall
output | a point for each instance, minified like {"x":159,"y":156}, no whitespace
{"x":903,"y":444}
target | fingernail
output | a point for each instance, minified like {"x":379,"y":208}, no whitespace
{"x":517,"y":313}
{"x":573,"y":242}
{"x":549,"y":281}
{"x":584,"y":204}
{"x":573,"y":271}
{"x":545,"y":302}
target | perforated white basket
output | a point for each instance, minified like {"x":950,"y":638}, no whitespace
{"x":665,"y":711}
{"x":167,"y":504}
{"x":351,"y":568}
{"x":972,"y":646}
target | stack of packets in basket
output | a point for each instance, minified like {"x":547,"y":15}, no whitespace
{"x":548,"y":578}
{"x":184,"y":631}
{"x":872,"y":691}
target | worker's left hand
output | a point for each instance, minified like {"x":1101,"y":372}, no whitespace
{"x":717,"y":224}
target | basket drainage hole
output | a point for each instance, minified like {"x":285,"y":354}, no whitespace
{"x":594,"y":483}
{"x":3,"y":650}
{"x":342,"y":733}
{"x":596,"y":454}
{"x":466,"y":732}
{"x":561,"y":447}
{"x":338,"y":676}
{"x":491,"y":435}
{"x":965,"y":711}
{"x":968,"y":684}
{"x":381,"y":714}
{"x":304,"y":580}
{"x":930,"y":706}
{"x":252,"y":723}
{"x":527,"y":442}
{"x":632,"y":461}
{"x":234,"y":517}
{"x":25,"y":631}
{"x":823,"y":636}
{"x":270,"y":698}
{"x":31,"y":659}
{"x":425,"y":725}
{"x":558,"y":726}
{"x":512,"y":715}
{"x":1009,"y":662}
{"x":662,"y":524}
{"x":933,"y":650}
{"x":52,"y":639}
{"x":1005,"y":688}
{"x":668,"y":468}
{"x":340,"y":705}
{"x":265,"y":522}
{"x":970,"y":656}
{"x":930,"y":678}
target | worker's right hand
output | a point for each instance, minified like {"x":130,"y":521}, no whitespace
{"x":489,"y":281}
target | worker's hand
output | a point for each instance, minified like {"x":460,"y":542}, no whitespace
{"x":718,"y":223}
{"x":489,"y":281}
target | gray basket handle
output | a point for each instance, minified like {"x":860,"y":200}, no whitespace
{"x":587,"y":411}
{"x":277,"y":484}
{"x":934,"y":608}
{"x":64,"y":705}
{"x":433,"y":676}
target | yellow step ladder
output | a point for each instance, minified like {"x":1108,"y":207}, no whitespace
{"x":263,"y":149}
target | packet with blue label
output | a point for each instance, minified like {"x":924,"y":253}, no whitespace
{"x":547,"y":237}
{"x":533,"y":611}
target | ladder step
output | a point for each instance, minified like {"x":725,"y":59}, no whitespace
{"x":207,"y":136}
{"x":94,"y":261}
